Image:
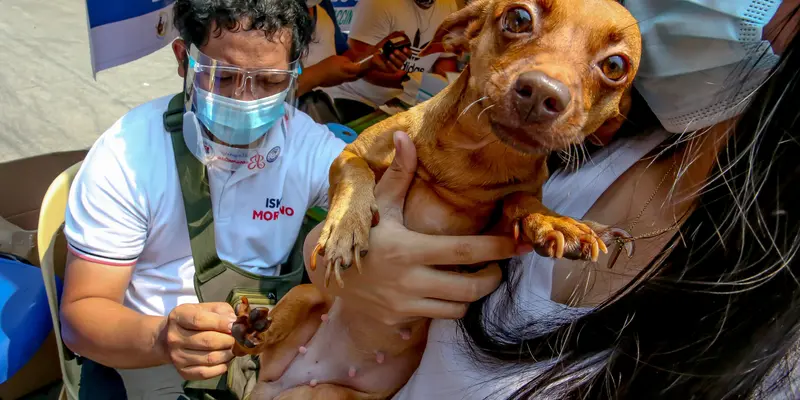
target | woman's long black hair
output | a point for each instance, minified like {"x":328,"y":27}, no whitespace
{"x":713,"y":318}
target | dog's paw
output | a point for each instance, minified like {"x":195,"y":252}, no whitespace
{"x":560,"y":237}
{"x":249,"y":328}
{"x":345,"y":238}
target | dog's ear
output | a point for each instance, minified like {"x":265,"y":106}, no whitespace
{"x":455,"y":33}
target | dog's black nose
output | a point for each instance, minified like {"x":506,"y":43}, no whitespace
{"x":541,"y":98}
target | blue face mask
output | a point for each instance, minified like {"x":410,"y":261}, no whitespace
{"x":701,"y":59}
{"x":238,"y":122}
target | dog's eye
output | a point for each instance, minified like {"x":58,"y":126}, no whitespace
{"x":518,"y":20}
{"x":614,"y":67}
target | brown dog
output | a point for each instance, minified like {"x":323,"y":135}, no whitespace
{"x":544,"y":75}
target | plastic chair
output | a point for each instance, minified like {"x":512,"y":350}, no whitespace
{"x":24,"y":314}
{"x":52,"y":248}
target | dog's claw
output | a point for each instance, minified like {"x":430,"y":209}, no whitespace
{"x":357,"y":259}
{"x":344,"y":240}
{"x":337,"y":271}
{"x":317,"y":251}
{"x":328,"y":274}
{"x":561,"y":237}
{"x":516,"y":225}
{"x":555,"y":241}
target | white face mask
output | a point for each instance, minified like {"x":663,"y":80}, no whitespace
{"x":701,"y":59}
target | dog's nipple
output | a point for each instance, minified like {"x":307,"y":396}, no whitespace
{"x":313,"y":382}
{"x":352,"y":372}
{"x":303,"y":350}
{"x":380,"y":357}
{"x":405,"y":334}
{"x":324,"y":318}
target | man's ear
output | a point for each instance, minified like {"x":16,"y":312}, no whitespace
{"x":455,"y":33}
{"x":603,"y":135}
{"x":179,"y":49}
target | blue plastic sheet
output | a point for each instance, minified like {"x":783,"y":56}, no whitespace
{"x":25,"y":318}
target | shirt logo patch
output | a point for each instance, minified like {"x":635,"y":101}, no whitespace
{"x":273,"y":154}
{"x":256,"y":162}
{"x":274,"y":210}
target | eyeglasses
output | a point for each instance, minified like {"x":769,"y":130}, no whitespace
{"x":233,"y":82}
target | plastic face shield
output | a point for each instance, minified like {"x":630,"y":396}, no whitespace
{"x":235,"y":111}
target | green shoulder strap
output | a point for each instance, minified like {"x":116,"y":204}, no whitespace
{"x":193,"y":178}
{"x":216,"y":279}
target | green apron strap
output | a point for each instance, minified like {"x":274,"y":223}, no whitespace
{"x":193,"y":178}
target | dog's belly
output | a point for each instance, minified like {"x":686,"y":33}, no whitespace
{"x":429,"y":212}
{"x":335,"y":350}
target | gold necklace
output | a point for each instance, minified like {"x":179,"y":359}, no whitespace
{"x":628,"y":242}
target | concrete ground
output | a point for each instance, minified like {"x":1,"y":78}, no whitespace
{"x":48,"y":99}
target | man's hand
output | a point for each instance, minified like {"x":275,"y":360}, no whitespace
{"x":399,"y":282}
{"x":198,"y":341}
{"x":386,"y":70}
{"x":391,"y":63}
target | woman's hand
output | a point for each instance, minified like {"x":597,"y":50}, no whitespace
{"x":398,"y":281}
{"x":340,"y":69}
{"x":197,"y":339}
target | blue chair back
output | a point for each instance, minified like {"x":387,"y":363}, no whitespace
{"x":25,"y":318}
{"x":342,"y":132}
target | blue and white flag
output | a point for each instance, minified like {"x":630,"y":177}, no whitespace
{"x":121,"y":31}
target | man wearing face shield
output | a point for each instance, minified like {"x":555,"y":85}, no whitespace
{"x":190,"y":201}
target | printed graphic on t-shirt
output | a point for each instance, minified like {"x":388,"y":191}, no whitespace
{"x":273,"y":209}
{"x":416,"y":47}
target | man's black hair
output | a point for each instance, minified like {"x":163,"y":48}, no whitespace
{"x":195,"y":19}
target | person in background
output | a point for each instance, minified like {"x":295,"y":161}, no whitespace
{"x":374,"y":22}
{"x":324,"y":67}
{"x":341,"y":38}
{"x":708,"y":304}
{"x":129,"y":299}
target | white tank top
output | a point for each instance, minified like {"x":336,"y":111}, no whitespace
{"x":445,"y":371}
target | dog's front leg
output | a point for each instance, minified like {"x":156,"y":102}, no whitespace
{"x":256,"y":329}
{"x":551,"y":234}
{"x":353,"y":211}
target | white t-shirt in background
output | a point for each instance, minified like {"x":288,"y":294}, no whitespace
{"x":373,"y":21}
{"x":323,"y":44}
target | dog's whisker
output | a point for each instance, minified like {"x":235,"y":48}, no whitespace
{"x":484,"y":110}
{"x":466,"y":109}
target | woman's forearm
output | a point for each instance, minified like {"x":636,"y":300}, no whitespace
{"x":311,"y":78}
{"x":112,"y":334}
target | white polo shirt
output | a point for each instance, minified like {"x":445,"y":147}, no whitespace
{"x":125,"y":207}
